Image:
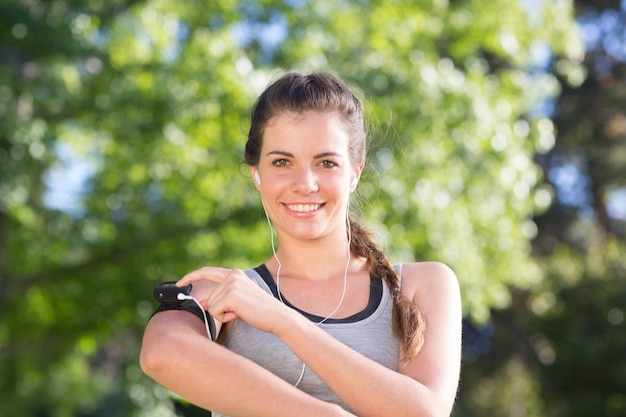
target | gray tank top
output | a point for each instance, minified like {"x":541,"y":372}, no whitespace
{"x":368,"y":332}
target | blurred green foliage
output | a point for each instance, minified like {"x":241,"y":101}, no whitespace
{"x":147,"y":102}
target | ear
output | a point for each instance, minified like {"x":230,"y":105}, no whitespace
{"x":356,"y":176}
{"x":256,"y":179}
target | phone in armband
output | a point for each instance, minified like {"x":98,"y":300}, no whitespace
{"x":171,"y":297}
{"x":168,"y":293}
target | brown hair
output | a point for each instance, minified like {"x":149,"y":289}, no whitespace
{"x":323,"y":92}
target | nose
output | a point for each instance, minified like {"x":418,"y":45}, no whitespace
{"x":305,"y":181}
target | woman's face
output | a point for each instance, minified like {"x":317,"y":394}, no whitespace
{"x":306,"y":175}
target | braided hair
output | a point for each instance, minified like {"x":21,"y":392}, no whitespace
{"x":324,"y":92}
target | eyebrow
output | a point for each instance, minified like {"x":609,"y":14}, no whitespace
{"x":318,"y":156}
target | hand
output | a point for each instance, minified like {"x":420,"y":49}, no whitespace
{"x":236,"y":296}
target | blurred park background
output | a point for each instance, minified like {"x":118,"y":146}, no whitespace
{"x":498,"y":146}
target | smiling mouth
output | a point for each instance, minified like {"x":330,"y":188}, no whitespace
{"x":303,"y":208}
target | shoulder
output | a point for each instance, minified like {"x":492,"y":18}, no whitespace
{"x":423,"y":281}
{"x":434,"y":289}
{"x":426,"y":272}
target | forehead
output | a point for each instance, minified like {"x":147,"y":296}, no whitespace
{"x":306,"y":130}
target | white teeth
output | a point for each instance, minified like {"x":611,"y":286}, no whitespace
{"x":303,"y":208}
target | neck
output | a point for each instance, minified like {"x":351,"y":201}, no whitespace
{"x":311,"y":260}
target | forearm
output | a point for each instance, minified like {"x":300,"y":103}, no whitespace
{"x":366,"y":387}
{"x":216,"y":379}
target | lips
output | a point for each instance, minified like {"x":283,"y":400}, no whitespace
{"x":304,"y":208}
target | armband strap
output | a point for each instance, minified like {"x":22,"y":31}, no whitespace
{"x":191,"y":307}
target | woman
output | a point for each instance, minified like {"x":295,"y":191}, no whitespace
{"x":326,"y":326}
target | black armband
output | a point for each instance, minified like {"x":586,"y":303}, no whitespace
{"x":191,"y":307}
{"x":171,"y":297}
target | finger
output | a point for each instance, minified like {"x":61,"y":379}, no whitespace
{"x":206,"y":273}
{"x":220,"y":313}
{"x":226,"y":297}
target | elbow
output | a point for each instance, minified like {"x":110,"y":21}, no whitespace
{"x":439,"y":407}
{"x":155,"y":355}
{"x":150,"y":359}
{"x":433,"y":411}
{"x":443,"y":409}
{"x":433,"y":407}
{"x":440,"y":413}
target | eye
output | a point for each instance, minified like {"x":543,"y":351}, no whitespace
{"x":328,"y":164}
{"x":281,"y":162}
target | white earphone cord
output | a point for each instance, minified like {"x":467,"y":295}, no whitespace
{"x":280,"y":265}
{"x":182,"y":296}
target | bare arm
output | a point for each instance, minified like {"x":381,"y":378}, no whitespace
{"x":177,"y":353}
{"x":426,"y":386}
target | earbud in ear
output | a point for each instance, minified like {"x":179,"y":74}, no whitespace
{"x":355,"y":180}
{"x":257,"y":178}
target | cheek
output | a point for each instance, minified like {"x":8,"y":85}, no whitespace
{"x":272,"y":187}
{"x":340,"y":187}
